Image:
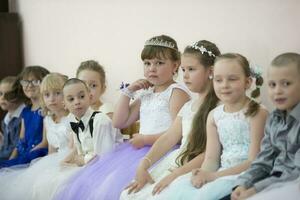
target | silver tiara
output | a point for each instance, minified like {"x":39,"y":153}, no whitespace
{"x":202,"y":49}
{"x":161,"y":43}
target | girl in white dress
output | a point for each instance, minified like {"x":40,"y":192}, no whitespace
{"x":93,"y":74}
{"x":18,"y":184}
{"x":156,"y":105}
{"x":189,"y":126}
{"x":234,"y":132}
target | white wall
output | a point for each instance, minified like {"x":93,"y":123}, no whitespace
{"x":59,"y":34}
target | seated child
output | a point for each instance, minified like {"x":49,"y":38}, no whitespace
{"x":11,"y":123}
{"x":93,"y":74}
{"x":279,"y":158}
{"x":93,"y":131}
{"x":31,"y":144}
{"x":56,"y":130}
{"x":93,"y":134}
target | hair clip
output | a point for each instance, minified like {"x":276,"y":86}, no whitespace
{"x":255,"y":71}
{"x":202,"y":49}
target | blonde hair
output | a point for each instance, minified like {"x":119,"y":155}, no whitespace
{"x":51,"y":82}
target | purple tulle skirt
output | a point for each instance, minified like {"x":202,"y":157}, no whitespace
{"x":105,"y":177}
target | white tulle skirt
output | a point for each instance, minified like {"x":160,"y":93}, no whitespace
{"x":39,"y":181}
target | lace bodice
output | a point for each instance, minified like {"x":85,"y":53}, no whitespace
{"x":57,"y":133}
{"x":155,"y":115}
{"x":234,"y":135}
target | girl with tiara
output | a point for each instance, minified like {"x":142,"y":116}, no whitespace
{"x":93,"y":74}
{"x":234,"y":132}
{"x":58,"y":137}
{"x":156,"y":107}
{"x":31,"y":144}
{"x":189,"y":127}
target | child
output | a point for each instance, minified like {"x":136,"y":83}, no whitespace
{"x":31,"y":144}
{"x":234,"y":131}
{"x":279,"y":158}
{"x":11,"y":123}
{"x":93,"y":134}
{"x":106,"y":137}
{"x":189,"y":127}
{"x":156,"y":109}
{"x":58,"y":137}
{"x":93,"y":75}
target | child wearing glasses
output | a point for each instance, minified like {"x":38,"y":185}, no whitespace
{"x":31,"y":143}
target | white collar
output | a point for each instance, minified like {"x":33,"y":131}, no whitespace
{"x":16,"y":113}
{"x":85,"y":118}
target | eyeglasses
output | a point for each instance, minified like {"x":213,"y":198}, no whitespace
{"x":25,"y":83}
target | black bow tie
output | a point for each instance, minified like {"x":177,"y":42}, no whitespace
{"x":75,"y":126}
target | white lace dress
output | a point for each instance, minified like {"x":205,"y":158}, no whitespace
{"x":155,"y":115}
{"x":161,"y":170}
{"x":21,"y":183}
{"x":234,"y":134}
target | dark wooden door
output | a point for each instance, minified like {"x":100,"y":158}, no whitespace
{"x":11,"y":54}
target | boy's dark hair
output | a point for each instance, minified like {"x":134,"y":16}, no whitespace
{"x":72,"y":81}
{"x":287,"y":59}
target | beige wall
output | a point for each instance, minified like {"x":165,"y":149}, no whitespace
{"x":59,"y":34}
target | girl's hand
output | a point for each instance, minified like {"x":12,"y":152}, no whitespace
{"x":161,"y":185}
{"x":241,"y":193}
{"x":142,"y":178}
{"x":139,"y":84}
{"x":201,"y":177}
{"x":79,"y":160}
{"x":137,"y":140}
{"x":67,"y":162}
